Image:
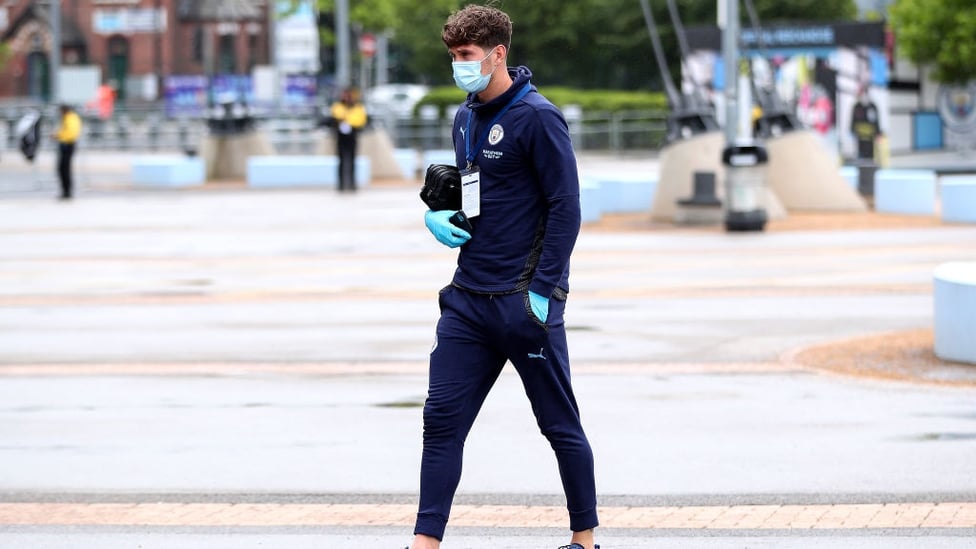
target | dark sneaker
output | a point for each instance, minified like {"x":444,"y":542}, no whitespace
{"x":576,"y":546}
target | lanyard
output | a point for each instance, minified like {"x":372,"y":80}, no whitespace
{"x":470,"y":153}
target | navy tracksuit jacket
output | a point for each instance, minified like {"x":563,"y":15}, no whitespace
{"x":530,"y":218}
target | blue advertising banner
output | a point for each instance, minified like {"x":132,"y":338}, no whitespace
{"x":300,"y":91}
{"x":828,"y":75}
{"x":232,"y":88}
{"x":185,"y":96}
{"x":190,"y":96}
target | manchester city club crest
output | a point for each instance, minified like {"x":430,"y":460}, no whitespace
{"x":957,"y":108}
{"x":957,"y":105}
{"x":496,"y":134}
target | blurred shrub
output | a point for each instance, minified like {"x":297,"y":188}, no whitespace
{"x":448,"y":97}
{"x":606,"y":100}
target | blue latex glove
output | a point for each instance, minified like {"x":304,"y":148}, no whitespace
{"x":540,"y":306}
{"x":443,"y":230}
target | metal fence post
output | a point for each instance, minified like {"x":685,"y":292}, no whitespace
{"x":615,"y":138}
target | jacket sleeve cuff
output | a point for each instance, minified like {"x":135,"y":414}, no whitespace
{"x":541,"y":288}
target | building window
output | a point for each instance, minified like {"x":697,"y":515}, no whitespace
{"x":38,"y":77}
{"x":252,"y":51}
{"x":118,"y":64}
{"x":76,"y":55}
{"x":226,"y":56}
{"x":198,"y":37}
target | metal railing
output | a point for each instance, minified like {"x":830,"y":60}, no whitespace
{"x":148,"y":129}
{"x":598,"y":131}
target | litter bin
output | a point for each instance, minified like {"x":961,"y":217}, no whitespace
{"x":745,"y":187}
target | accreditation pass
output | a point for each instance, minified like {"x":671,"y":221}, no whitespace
{"x":471,"y":192}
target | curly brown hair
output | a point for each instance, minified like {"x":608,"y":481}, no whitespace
{"x":483,"y":26}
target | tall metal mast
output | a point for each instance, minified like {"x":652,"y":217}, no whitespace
{"x":674,"y":97}
{"x":776,"y":116}
{"x":688,"y":116}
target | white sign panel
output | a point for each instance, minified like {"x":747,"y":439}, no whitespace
{"x":128,"y":21}
{"x":78,"y":83}
{"x":265,"y":80}
{"x":297,"y":40}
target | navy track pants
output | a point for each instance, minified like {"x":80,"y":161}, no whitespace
{"x":476,"y":335}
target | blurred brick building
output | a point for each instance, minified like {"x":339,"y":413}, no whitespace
{"x":134,"y":43}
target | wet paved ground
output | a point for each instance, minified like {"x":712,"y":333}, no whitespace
{"x":234,"y":368}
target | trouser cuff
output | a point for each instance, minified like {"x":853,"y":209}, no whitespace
{"x":430,"y":525}
{"x":583,"y":520}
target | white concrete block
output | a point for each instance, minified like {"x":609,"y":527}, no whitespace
{"x":436,"y":156}
{"x":590,"y":201}
{"x":169,"y":171}
{"x":958,"y":193}
{"x":292,"y":171}
{"x":955,"y":311}
{"x":627,"y":194}
{"x":406,"y":159}
{"x":850,"y":175}
{"x":905,"y":191}
{"x":302,"y":171}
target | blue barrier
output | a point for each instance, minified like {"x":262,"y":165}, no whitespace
{"x":958,"y":193}
{"x":436,"y":156}
{"x":406,"y":159}
{"x":169,"y":171}
{"x":301,"y":171}
{"x":851,"y":175}
{"x":591,"y":200}
{"x":623,"y":194}
{"x":905,"y":191}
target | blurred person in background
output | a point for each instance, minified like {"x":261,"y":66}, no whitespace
{"x":103,"y":106}
{"x":67,"y":133}
{"x":348,"y":118}
{"x":104,"y":101}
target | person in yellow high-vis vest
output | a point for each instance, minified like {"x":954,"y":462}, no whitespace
{"x":348,"y":118}
{"x":67,"y":135}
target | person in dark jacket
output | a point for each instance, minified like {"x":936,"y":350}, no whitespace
{"x":865,"y":125}
{"x":508,"y":294}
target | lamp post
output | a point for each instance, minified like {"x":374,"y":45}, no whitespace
{"x":342,"y":43}
{"x":159,"y":21}
{"x":55,"y":6}
{"x":744,"y":162}
{"x":730,"y":58}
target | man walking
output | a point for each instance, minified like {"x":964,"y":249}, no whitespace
{"x":67,"y":135}
{"x":508,"y":294}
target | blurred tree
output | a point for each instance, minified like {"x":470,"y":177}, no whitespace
{"x":583,"y":44}
{"x":284,"y":8}
{"x":414,"y":27}
{"x":802,"y":11}
{"x":417,"y":39}
{"x":938,"y":33}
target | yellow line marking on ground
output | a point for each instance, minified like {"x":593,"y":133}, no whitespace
{"x":731,"y":517}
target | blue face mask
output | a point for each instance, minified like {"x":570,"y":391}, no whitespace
{"x":468,"y":77}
